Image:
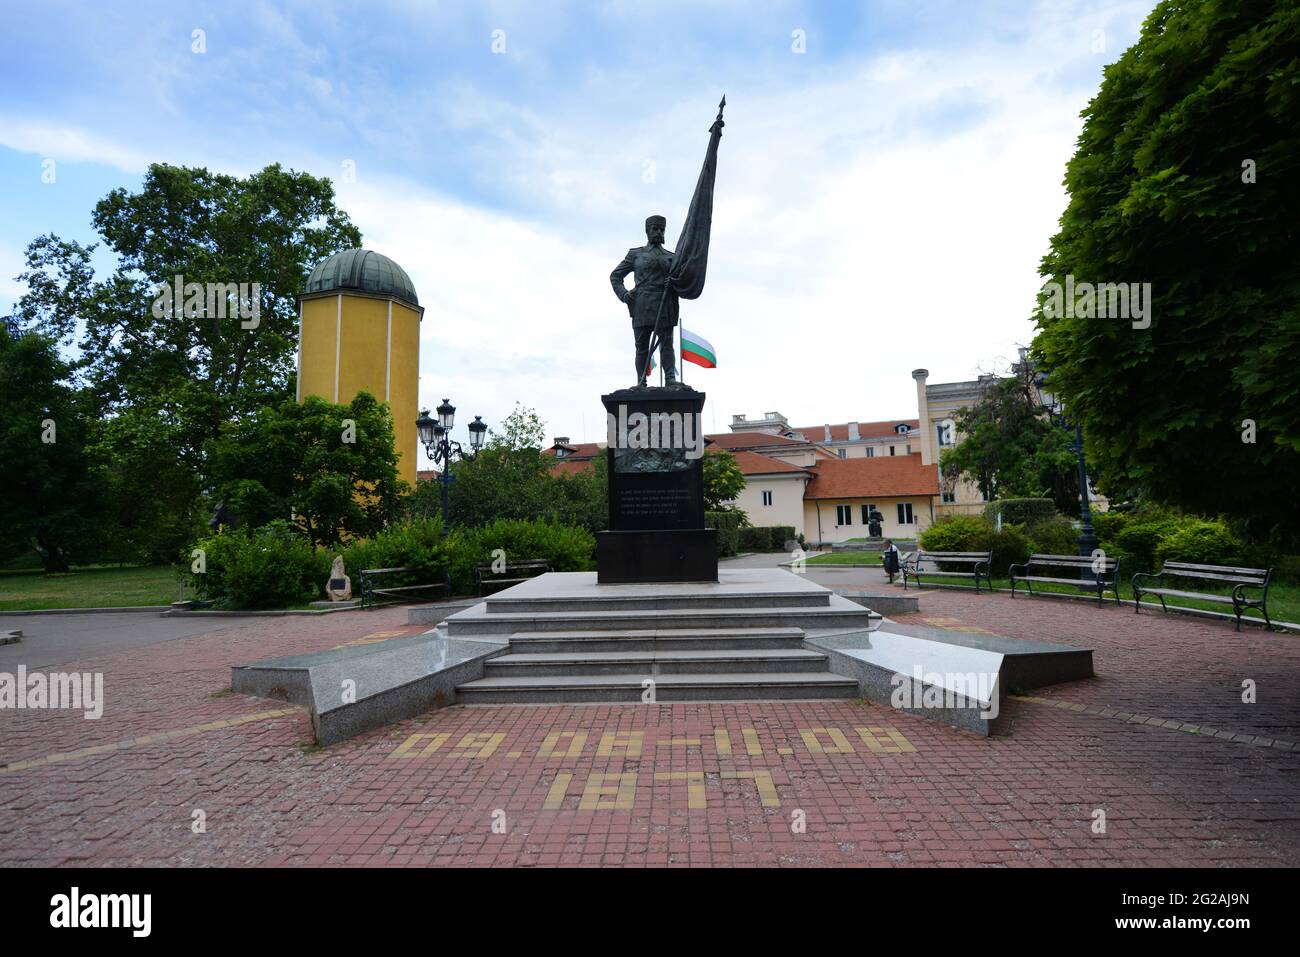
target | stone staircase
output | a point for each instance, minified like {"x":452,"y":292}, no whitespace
{"x":742,"y":638}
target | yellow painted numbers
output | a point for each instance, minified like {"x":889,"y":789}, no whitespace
{"x":616,"y":790}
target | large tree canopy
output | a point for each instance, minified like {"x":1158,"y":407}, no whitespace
{"x":269,"y":228}
{"x":1187,"y":177}
{"x":163,"y":382}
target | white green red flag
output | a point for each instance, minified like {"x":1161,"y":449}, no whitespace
{"x":697,"y":349}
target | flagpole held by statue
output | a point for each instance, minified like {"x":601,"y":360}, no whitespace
{"x":662,"y":278}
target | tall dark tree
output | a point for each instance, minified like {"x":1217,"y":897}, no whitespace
{"x":51,"y":502}
{"x":1187,"y":177}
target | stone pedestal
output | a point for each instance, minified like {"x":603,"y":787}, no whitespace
{"x":656,"y":490}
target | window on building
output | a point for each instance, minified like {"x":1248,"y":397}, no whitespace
{"x":767,"y":498}
{"x":871,"y":452}
{"x":949,"y":498}
{"x":943,"y":433}
{"x":909,"y":448}
{"x":844,"y":453}
{"x":904,"y":513}
{"x":891,"y":450}
{"x":843,"y":514}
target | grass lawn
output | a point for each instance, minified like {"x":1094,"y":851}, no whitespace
{"x":98,"y":586}
{"x":845,"y":558}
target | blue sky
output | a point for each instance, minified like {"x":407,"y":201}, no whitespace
{"x":883,"y":197}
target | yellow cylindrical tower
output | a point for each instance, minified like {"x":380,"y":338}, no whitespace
{"x":359,"y":328}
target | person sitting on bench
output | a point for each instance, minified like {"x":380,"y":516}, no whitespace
{"x":889,"y":558}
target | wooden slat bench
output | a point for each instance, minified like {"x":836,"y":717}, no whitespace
{"x":1104,"y":572}
{"x":976,"y":561}
{"x":511,"y":574}
{"x":1239,"y":579}
{"x":370,"y":594}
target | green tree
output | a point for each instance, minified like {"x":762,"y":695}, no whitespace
{"x":191,"y":372}
{"x":723,"y":480}
{"x":1010,"y":449}
{"x":51,"y":501}
{"x":1187,"y":176}
{"x":331,"y":467}
{"x":152,"y":503}
{"x":509,"y":478}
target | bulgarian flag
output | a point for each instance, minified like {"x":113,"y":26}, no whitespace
{"x":697,"y":349}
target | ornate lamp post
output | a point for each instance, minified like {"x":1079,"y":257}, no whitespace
{"x":1056,"y":413}
{"x":434,"y":435}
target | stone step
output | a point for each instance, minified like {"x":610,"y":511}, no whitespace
{"x":694,"y":687}
{"x":838,"y":613}
{"x":654,"y":663}
{"x":655,"y":640}
{"x":635,"y":601}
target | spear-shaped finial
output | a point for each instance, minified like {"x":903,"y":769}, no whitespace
{"x":718,"y":123}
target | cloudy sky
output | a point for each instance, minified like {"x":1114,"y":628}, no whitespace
{"x":888,"y":180}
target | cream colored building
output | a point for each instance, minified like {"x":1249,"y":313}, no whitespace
{"x":824,"y":480}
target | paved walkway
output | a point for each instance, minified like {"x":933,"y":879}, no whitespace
{"x":179,"y":771}
{"x":54,"y":639}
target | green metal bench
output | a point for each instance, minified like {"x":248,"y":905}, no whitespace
{"x":1104,"y":573}
{"x":1239,"y":579}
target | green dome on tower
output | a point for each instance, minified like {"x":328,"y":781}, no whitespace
{"x":361,"y":270}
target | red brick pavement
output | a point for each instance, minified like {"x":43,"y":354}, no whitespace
{"x":519,"y":785}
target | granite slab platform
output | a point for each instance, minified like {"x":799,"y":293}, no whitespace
{"x":350,"y":690}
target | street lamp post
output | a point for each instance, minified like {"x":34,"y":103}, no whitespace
{"x":435,"y":436}
{"x":1056,"y":413}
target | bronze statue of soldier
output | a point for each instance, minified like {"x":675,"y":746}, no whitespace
{"x":651,"y":303}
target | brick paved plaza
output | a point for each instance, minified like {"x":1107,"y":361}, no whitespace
{"x":1186,"y":773}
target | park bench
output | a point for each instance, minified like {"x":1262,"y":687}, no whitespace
{"x":974,"y":560}
{"x":371,"y":595}
{"x":511,"y":573}
{"x":1238,"y":579}
{"x":1098,"y":574}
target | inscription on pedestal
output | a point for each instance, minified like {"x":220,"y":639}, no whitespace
{"x":656,"y":490}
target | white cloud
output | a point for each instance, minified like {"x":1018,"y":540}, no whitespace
{"x":870,"y":219}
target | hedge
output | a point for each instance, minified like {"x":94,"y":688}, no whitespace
{"x":766,"y":538}
{"x":728,"y":525}
{"x":1020,"y":511}
{"x":273,"y":567}
{"x":268,"y":567}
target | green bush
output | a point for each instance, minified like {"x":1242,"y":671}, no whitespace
{"x":567,"y":548}
{"x":415,"y":544}
{"x":1200,"y":542}
{"x":755,"y":538}
{"x":1020,"y":511}
{"x":268,"y":567}
{"x":1053,"y":536}
{"x":1107,"y":525}
{"x":782,"y":534}
{"x":1137,"y":542}
{"x":957,"y":533}
{"x":728,"y":525}
{"x":1011,"y":546}
{"x":1288,"y":569}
